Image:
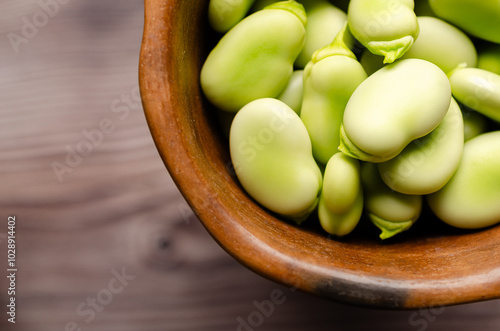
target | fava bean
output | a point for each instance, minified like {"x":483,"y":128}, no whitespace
{"x":329,"y":81}
{"x":255,"y":58}
{"x":294,"y":91}
{"x":272,"y":157}
{"x":428,"y":163}
{"x":478,"y":89}
{"x":479,"y":18}
{"x":438,"y":42}
{"x":442,"y":44}
{"x":392,"y":212}
{"x":324,"y":22}
{"x":471,"y":198}
{"x":224,"y":14}
{"x":341,"y":201}
{"x":261,"y":4}
{"x":385,"y":27}
{"x":340,"y":224}
{"x":397,"y":104}
{"x":341,"y":183}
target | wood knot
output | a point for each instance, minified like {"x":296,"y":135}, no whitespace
{"x":157,"y":245}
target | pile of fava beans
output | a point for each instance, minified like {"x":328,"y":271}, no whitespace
{"x":373,"y":107}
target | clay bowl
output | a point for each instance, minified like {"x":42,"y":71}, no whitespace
{"x":432,"y":264}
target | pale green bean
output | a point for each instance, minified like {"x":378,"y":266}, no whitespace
{"x":438,"y":42}
{"x":224,"y":14}
{"x":272,"y":157}
{"x":476,"y":17}
{"x":478,"y":89}
{"x":294,"y":91}
{"x":340,"y":224}
{"x":428,"y":163}
{"x":399,"y":103}
{"x":341,"y":183}
{"x":324,"y":22}
{"x":392,"y":212}
{"x":255,"y":58}
{"x":471,"y":198}
{"x":341,"y":202}
{"x":329,"y":81}
{"x":385,"y":27}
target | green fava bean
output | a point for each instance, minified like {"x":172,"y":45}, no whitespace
{"x":329,"y":81}
{"x":294,"y":91}
{"x":471,"y":198}
{"x":442,"y":44}
{"x":392,"y":212}
{"x":428,"y":163}
{"x":255,"y":58}
{"x":340,"y":224}
{"x":324,"y":22}
{"x":385,"y":27}
{"x":224,"y":14}
{"x":479,"y":18}
{"x":272,"y":157}
{"x":477,"y":89}
{"x":341,"y":201}
{"x":261,"y":4}
{"x":438,"y":42}
{"x":399,"y":103}
{"x":341,"y":183}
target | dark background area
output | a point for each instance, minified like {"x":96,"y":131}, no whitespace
{"x":105,"y":241}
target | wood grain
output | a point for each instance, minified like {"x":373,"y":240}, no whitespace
{"x":119,"y":208}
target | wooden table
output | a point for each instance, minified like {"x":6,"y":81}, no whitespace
{"x":104,"y":239}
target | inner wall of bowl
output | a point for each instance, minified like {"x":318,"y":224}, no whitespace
{"x":415,"y":270}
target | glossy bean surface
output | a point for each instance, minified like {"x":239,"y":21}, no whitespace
{"x":428,"y":163}
{"x":272,"y":157}
{"x":392,"y":212}
{"x":255,"y":58}
{"x":478,"y":89}
{"x":329,"y":81}
{"x":341,"y":202}
{"x":399,"y":103}
{"x":471,"y":198}
{"x":324,"y":22}
{"x":224,"y":14}
{"x":385,"y":27}
{"x":477,"y":17}
{"x":294,"y":91}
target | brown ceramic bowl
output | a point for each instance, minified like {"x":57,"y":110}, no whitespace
{"x":430,"y":265}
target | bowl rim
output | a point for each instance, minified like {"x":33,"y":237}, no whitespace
{"x":176,"y":144}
